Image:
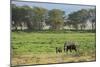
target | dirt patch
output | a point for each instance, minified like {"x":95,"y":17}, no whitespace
{"x":49,"y":58}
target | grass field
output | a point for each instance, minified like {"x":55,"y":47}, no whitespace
{"x":39,"y":48}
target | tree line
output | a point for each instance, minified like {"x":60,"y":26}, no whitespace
{"x":35,"y":18}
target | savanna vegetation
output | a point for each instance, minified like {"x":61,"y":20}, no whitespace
{"x":37,"y":31}
{"x":40,"y":48}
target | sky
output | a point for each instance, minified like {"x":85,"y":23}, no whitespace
{"x":68,"y":8}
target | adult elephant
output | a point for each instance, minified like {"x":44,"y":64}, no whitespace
{"x":69,"y":46}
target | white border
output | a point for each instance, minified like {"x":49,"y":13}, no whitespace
{"x":5,"y":33}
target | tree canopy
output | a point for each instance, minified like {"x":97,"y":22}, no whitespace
{"x":35,"y":18}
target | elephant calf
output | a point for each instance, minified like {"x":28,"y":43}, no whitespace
{"x":58,"y":49}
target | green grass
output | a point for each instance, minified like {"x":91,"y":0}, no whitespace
{"x":44,"y":43}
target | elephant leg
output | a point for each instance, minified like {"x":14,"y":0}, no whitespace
{"x":70,"y":50}
{"x":75,"y":49}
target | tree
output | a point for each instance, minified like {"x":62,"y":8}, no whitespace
{"x":73,"y":19}
{"x":92,"y":17}
{"x":83,"y":14}
{"x":21,"y":16}
{"x":27,"y":17}
{"x":78,"y":18}
{"x":39,"y":16}
{"x":14,"y":16}
{"x":33,"y":18}
{"x":56,"y":19}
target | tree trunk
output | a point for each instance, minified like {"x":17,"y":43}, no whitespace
{"x":92,"y":26}
{"x":81,"y":28}
{"x":15,"y":27}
